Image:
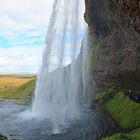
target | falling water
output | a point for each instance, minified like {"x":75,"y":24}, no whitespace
{"x":59,"y":85}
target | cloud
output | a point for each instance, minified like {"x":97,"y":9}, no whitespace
{"x":24,"y":21}
{"x":24,"y":14}
{"x":23,"y":28}
{"x":20,"y":59}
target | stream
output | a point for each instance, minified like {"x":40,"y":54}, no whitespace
{"x":90,"y":126}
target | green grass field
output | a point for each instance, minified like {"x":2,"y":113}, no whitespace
{"x":12,"y":82}
{"x":23,"y":91}
{"x":17,"y":87}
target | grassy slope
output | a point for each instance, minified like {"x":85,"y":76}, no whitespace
{"x":125,"y":111}
{"x":11,"y":82}
{"x":134,"y":135}
{"x":23,"y":91}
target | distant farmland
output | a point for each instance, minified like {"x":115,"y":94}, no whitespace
{"x":16,"y":86}
{"x":11,"y":82}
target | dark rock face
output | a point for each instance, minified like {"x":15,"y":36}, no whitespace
{"x":115,"y":42}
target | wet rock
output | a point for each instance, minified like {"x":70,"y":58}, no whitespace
{"x":114,"y":42}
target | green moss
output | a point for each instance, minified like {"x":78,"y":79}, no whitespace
{"x":104,"y":95}
{"x":117,"y":137}
{"x":3,"y":137}
{"x":125,"y":111}
{"x":134,"y":135}
{"x":95,"y":52}
{"x":24,"y":91}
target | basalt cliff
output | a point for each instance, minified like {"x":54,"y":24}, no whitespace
{"x":114,"y":36}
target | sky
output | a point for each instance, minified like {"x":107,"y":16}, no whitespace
{"x":23,"y":28}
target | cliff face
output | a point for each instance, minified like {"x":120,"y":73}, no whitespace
{"x":114,"y":34}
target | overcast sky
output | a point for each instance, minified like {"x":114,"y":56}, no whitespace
{"x":23,"y":27}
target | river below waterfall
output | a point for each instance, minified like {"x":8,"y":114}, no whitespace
{"x":91,"y":125}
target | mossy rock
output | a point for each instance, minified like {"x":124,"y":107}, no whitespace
{"x":125,"y":111}
{"x":134,"y":135}
{"x":3,"y":137}
{"x":94,"y":56}
{"x":104,"y":95}
{"x":117,"y":137}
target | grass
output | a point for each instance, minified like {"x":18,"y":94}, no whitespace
{"x":125,"y":111}
{"x":16,"y":88}
{"x":134,"y":135}
{"x":23,"y":91}
{"x":11,"y":82}
{"x":104,"y":95}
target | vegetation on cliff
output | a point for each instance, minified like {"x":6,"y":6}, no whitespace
{"x":3,"y":137}
{"x":115,"y":60}
{"x":125,"y":111}
{"x":134,"y":135}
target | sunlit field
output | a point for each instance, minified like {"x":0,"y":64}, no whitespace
{"x":16,"y":86}
{"x":11,"y":82}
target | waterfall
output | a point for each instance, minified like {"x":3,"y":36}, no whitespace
{"x":59,"y":84}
